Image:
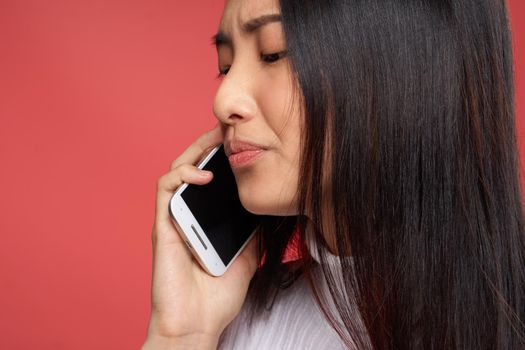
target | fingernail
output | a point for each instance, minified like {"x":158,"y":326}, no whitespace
{"x":204,"y":173}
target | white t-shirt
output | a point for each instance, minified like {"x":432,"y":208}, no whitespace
{"x":294,"y":322}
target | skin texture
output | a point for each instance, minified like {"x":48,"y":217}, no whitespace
{"x":254,"y":103}
{"x":190,"y":308}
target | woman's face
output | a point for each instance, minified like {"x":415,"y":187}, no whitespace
{"x":254,"y":105}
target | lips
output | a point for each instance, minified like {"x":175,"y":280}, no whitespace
{"x":242,"y":153}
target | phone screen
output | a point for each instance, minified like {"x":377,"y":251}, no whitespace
{"x":218,"y":209}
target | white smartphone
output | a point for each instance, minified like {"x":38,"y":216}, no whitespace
{"x":211,"y":218}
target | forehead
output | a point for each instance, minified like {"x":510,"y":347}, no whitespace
{"x":237,"y":12}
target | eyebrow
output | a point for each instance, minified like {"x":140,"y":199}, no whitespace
{"x":250,"y":26}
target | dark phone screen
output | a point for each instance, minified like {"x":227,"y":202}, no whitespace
{"x":217,"y":208}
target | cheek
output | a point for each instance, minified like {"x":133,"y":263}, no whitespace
{"x":282,"y":116}
{"x":269,"y":186}
{"x":277,"y":102}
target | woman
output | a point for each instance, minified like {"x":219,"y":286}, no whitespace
{"x":387,"y":130}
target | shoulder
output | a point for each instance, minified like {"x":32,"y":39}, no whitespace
{"x":294,"y":322}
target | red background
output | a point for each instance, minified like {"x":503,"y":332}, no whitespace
{"x":96,"y":99}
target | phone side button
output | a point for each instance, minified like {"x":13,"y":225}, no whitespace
{"x":188,"y":244}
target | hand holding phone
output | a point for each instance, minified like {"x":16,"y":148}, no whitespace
{"x":189,"y":304}
{"x":211,"y":218}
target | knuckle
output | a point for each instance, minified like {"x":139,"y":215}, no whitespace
{"x":174,"y":164}
{"x":160,"y":181}
{"x":204,"y":141}
{"x":186,"y":168}
{"x":205,"y":136}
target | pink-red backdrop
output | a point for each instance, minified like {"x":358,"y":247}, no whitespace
{"x":96,"y":99}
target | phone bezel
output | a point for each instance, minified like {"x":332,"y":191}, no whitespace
{"x":184,"y":219}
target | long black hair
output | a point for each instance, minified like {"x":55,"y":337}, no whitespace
{"x":409,"y":163}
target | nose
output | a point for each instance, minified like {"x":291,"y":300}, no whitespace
{"x":234,"y":100}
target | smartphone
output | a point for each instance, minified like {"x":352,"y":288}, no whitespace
{"x":212,"y":221}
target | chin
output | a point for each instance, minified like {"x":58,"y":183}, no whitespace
{"x":260,"y":203}
{"x":252,"y":202}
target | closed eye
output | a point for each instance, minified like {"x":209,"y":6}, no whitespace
{"x":273,"y":56}
{"x":268,"y":58}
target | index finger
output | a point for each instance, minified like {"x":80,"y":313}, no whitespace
{"x":195,"y":151}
